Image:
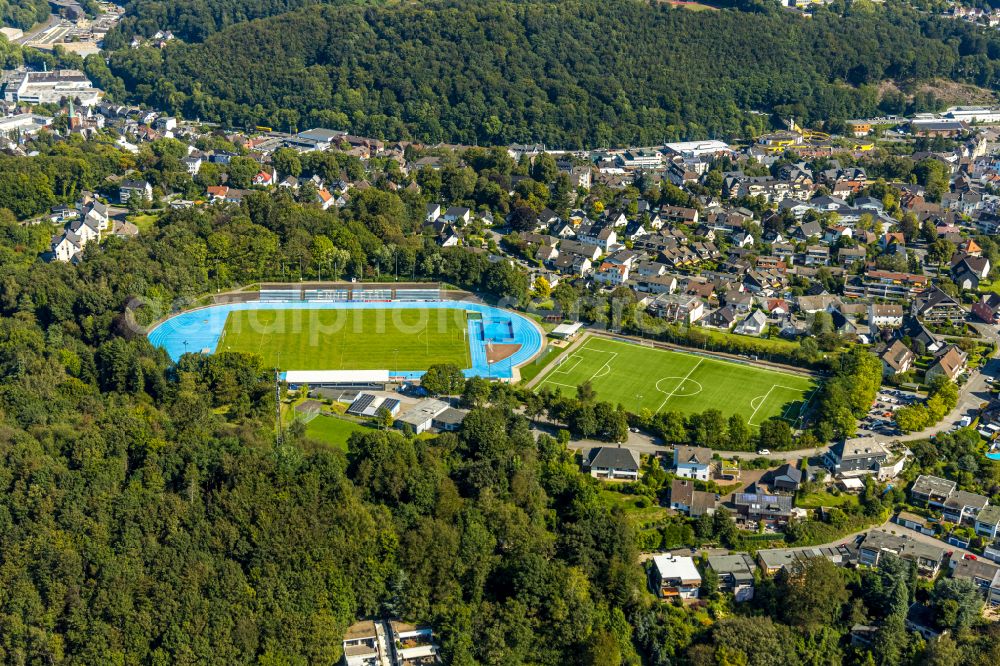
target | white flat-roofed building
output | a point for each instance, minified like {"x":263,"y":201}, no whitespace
{"x":675,"y":576}
{"x":296,"y":378}
{"x":52,"y":88}
{"x":974,"y":114}
{"x":420,"y":417}
{"x":698,"y":148}
{"x":566,"y":331}
{"x":25,"y":124}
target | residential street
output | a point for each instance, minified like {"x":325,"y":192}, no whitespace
{"x":893,"y":528}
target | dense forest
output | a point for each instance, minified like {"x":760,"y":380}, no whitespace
{"x":194,"y":20}
{"x":570,"y":74}
{"x":23,"y":13}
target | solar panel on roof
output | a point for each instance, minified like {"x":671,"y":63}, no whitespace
{"x":361,"y":404}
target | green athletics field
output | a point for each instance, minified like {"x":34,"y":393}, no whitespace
{"x":644,"y":378}
{"x":343,"y":339}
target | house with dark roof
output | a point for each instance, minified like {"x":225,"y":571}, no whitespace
{"x":787,"y":477}
{"x":913,"y":329}
{"x":769,"y":508}
{"x":736,"y":574}
{"x":964,"y":277}
{"x":722,"y":317}
{"x":613,"y":462}
{"x":856,"y":457}
{"x":879,"y":542}
{"x":935,"y":306}
{"x":693,"y":503}
{"x":984,"y":575}
{"x":963,"y":507}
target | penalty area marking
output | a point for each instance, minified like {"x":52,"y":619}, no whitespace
{"x":605,"y":369}
{"x":565,"y":371}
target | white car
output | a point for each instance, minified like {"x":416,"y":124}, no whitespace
{"x":763,"y":452}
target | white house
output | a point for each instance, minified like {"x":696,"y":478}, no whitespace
{"x":612,"y":274}
{"x":675,"y":576}
{"x":692,"y":462}
{"x":754,"y":324}
{"x":611,"y":462}
{"x":134,"y":188}
{"x":66,"y":246}
{"x":192,"y":164}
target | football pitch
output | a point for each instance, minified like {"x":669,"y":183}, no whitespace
{"x":658,"y":380}
{"x":394,"y":339}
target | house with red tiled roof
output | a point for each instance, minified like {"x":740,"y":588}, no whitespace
{"x":217,"y":192}
{"x":325,"y":199}
{"x":265,"y":178}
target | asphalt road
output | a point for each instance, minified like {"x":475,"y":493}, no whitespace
{"x":38,"y":29}
{"x":899,"y":530}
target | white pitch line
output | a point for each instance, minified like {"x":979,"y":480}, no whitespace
{"x":549,"y":381}
{"x":606,"y":365}
{"x":679,"y":384}
{"x":750,"y":420}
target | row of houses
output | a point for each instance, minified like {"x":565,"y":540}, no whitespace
{"x":677,"y":576}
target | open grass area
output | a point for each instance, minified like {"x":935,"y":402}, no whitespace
{"x":342,"y":339}
{"x":640,"y":516}
{"x":143,"y":222}
{"x":825,"y":498}
{"x":645,"y":378}
{"x":332,"y":430}
{"x":775,"y":344}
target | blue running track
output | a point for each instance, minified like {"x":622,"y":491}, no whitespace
{"x":199,"y":331}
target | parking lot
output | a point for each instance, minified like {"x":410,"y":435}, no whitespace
{"x":879,"y":421}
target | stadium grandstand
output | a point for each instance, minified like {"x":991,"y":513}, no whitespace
{"x":350,"y":292}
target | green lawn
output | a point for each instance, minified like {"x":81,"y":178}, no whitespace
{"x":775,"y":344}
{"x":825,"y":498}
{"x":376,"y":339}
{"x":654,"y":379}
{"x":640,"y":516}
{"x":143,"y":222}
{"x":332,"y":430}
